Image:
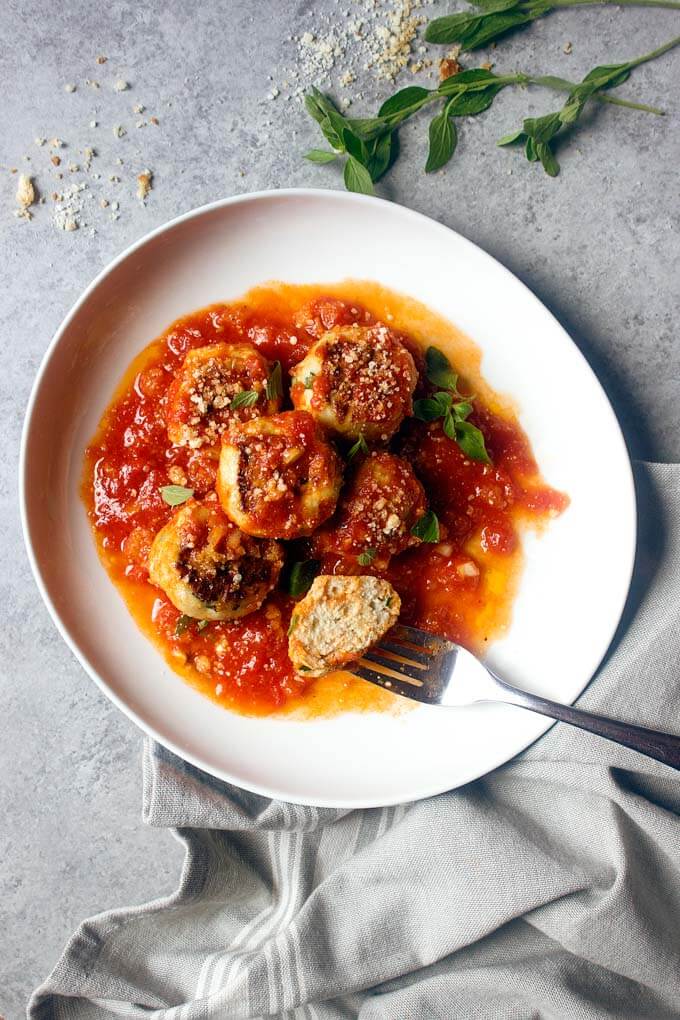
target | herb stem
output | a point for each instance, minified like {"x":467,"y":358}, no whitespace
{"x":602,"y":98}
{"x":659,"y":51}
{"x":563,"y":85}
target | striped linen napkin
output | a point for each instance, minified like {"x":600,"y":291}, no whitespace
{"x":550,"y":888}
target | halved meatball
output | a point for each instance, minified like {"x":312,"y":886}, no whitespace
{"x":356,"y":381}
{"x":377,"y":510}
{"x":278,"y":477}
{"x":338,"y":620}
{"x":217,"y":384}
{"x":208,"y":568}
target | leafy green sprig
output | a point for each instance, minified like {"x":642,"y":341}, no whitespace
{"x":451,"y":406}
{"x":370,"y":145}
{"x":538,"y":134}
{"x":491,"y":19}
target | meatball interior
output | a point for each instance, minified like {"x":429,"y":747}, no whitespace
{"x":338,"y":620}
{"x":208,"y":568}
{"x":200,"y":399}
{"x":278,"y":477}
{"x":356,"y":381}
{"x":377,"y":510}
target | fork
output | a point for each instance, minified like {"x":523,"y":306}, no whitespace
{"x":429,"y":669}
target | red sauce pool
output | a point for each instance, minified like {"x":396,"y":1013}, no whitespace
{"x":461,"y":588}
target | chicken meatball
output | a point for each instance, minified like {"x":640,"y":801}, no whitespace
{"x":278,"y":477}
{"x":377,"y":510}
{"x":208,"y":568}
{"x":356,"y":381}
{"x":217,"y":384}
{"x":338,"y":620}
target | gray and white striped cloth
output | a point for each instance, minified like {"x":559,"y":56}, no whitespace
{"x":550,"y":888}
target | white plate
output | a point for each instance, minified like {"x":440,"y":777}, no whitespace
{"x":577,"y":574}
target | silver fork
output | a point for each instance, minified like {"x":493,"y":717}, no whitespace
{"x":427,"y":668}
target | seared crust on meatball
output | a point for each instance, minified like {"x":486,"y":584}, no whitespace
{"x":208,"y":568}
{"x":278,"y":477}
{"x":377,"y":510}
{"x":356,"y":381}
{"x":338,"y":620}
{"x":217,"y":384}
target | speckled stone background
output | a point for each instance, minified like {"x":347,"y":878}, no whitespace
{"x":599,"y":245}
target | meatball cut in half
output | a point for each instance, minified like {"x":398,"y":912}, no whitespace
{"x":338,"y":620}
{"x":278,"y":477}
{"x":217,"y":384}
{"x":208,"y":568}
{"x":377,"y":510}
{"x":356,"y":381}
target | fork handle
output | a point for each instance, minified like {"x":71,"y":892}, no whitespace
{"x":664,"y":747}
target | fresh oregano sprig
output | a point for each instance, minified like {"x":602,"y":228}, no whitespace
{"x":370,"y":145}
{"x":491,"y":19}
{"x":538,"y":134}
{"x":451,"y":406}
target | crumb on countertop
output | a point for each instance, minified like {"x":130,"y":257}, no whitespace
{"x":144,"y":184}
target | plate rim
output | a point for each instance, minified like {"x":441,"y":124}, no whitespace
{"x":357,"y":802}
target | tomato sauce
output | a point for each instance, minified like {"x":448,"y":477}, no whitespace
{"x":461,"y":587}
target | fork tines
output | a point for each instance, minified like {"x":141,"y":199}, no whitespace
{"x":404,"y":664}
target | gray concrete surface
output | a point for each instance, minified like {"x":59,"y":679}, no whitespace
{"x":599,"y":245}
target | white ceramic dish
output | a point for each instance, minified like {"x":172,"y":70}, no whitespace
{"x":576,"y":576}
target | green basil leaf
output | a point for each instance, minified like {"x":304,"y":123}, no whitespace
{"x":366,"y":557}
{"x":444,"y":400}
{"x":427,"y":528}
{"x":320,"y":156}
{"x":547,"y":158}
{"x":608,"y":76}
{"x":274,"y":388}
{"x":443,"y":138}
{"x":301,"y":576}
{"x":246,"y":398}
{"x":449,"y":425}
{"x":361,"y":446}
{"x":494,"y":6}
{"x":451,"y":28}
{"x":322,"y":110}
{"x":427,"y":409}
{"x":471,"y":441}
{"x":438,"y":369}
{"x":313,"y":108}
{"x":530,"y":150}
{"x":490,"y":27}
{"x":514,"y":136}
{"x":182,"y":623}
{"x":382,"y":153}
{"x":462,"y":410}
{"x":470,"y":104}
{"x":357,"y":177}
{"x":406,"y":100}
{"x":542,"y":129}
{"x":355,"y":146}
{"x":174,"y":495}
{"x":571,"y":110}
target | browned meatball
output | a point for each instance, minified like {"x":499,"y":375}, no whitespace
{"x":356,"y":381}
{"x":208,"y":568}
{"x":278,"y":477}
{"x":217,"y":384}
{"x":377,"y":510}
